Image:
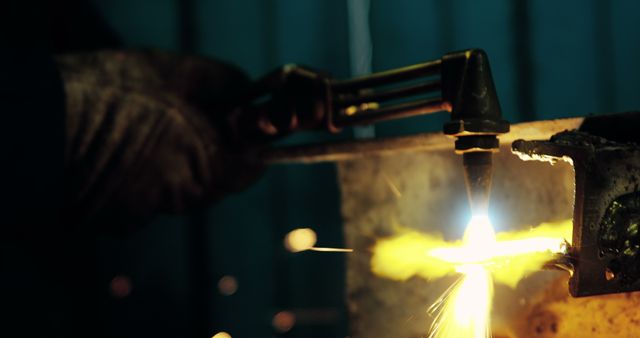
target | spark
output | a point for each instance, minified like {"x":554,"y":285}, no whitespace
{"x":304,"y":239}
{"x":394,"y":189}
{"x":481,"y":258}
{"x":300,"y":239}
{"x":321,"y":249}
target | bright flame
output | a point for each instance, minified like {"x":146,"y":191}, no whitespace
{"x":513,"y":256}
{"x":482,"y":256}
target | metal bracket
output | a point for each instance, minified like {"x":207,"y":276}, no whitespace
{"x":605,"y":251}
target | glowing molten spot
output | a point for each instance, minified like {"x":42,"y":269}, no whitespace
{"x":482,"y":256}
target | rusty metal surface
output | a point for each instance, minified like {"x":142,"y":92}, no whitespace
{"x":351,"y":150}
{"x":606,"y":238}
{"x":553,"y":313}
{"x":426,"y":191}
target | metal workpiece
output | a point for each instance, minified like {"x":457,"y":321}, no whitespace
{"x":353,"y":150}
{"x":605,"y":251}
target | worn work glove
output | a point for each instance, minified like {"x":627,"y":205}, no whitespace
{"x":149,"y":132}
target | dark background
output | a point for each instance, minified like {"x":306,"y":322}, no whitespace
{"x":549,"y":60}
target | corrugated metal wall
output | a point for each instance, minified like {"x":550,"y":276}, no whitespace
{"x":549,"y":59}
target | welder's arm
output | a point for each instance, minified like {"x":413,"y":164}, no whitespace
{"x":149,"y":132}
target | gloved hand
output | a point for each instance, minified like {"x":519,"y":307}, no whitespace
{"x":149,"y":132}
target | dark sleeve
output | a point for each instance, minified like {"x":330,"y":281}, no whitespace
{"x":139,"y":141}
{"x":31,"y":140}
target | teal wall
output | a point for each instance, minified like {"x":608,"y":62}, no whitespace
{"x":549,"y":60}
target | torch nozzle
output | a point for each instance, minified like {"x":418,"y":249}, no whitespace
{"x":478,"y":169}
